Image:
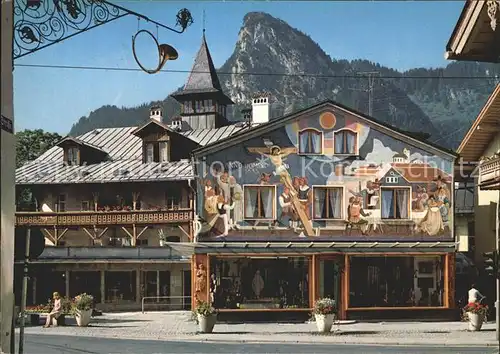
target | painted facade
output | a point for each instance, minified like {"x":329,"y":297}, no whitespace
{"x":327,"y":174}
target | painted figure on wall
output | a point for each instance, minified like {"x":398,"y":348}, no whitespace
{"x":304,"y":194}
{"x":288,"y":213}
{"x":355,"y":213}
{"x":224,"y":209}
{"x":277,"y":157}
{"x":236,"y":192}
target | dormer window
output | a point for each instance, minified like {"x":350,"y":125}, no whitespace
{"x":72,"y":156}
{"x":156,"y":152}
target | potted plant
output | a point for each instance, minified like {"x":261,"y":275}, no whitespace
{"x":475,"y":313}
{"x":205,"y":316}
{"x":324,"y":313}
{"x":82,"y":309}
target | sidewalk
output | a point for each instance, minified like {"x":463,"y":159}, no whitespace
{"x":176,"y":326}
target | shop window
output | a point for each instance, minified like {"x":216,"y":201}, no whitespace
{"x":395,"y":203}
{"x":310,"y":142}
{"x":396,"y":281}
{"x":85,"y":282}
{"x":327,"y":202}
{"x":259,"y":202}
{"x":120,"y":286}
{"x":257,"y":284}
{"x":346,"y":142}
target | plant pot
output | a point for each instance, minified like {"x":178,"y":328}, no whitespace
{"x":475,"y":321}
{"x":324,"y":323}
{"x":82,"y":317}
{"x":206,"y":323}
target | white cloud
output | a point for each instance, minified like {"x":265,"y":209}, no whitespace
{"x":380,"y":154}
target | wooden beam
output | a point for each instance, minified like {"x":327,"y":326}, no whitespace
{"x":134,"y":235}
{"x":49,"y":236}
{"x":142,"y":231}
{"x":102,"y":232}
{"x":88,"y":233}
{"x":184,"y":232}
{"x":62,"y":234}
{"x":126,"y":231}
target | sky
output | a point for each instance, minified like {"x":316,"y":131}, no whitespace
{"x":397,"y":34}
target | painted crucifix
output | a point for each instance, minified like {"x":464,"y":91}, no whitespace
{"x":277,"y":156}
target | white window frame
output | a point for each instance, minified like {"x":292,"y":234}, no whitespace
{"x":393,"y":188}
{"x":392,"y":179}
{"x":342,"y":204}
{"x":274,"y":201}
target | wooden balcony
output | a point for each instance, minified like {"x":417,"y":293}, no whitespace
{"x":103,"y":218}
{"x":489,"y":174}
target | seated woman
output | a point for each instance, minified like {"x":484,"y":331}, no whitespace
{"x":56,"y":311}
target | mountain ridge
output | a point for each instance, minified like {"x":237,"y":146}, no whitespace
{"x":413,"y":100}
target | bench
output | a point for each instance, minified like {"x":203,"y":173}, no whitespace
{"x":59,"y":321}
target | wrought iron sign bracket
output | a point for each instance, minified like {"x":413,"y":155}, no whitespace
{"x":39,"y":24}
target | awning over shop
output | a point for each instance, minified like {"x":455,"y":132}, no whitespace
{"x":240,"y":248}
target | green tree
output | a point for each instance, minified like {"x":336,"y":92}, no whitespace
{"x":30,"y":144}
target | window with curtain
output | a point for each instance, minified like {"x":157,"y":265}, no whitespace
{"x":327,"y":202}
{"x":259,"y":202}
{"x":395,"y":203}
{"x":310,"y":142}
{"x":345,"y":142}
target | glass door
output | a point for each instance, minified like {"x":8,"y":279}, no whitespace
{"x":329,"y":280}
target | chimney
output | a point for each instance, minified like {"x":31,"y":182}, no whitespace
{"x":156,"y":113}
{"x":176,"y":123}
{"x":260,"y":108}
{"x":247,"y":115}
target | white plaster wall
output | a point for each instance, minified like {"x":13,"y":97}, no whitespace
{"x":485,"y":212}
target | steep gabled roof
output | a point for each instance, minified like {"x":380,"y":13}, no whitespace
{"x":203,"y":77}
{"x":277,"y":123}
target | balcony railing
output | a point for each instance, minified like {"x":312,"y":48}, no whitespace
{"x":489,"y":174}
{"x":103,"y":218}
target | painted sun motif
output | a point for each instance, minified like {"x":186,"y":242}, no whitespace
{"x":327,"y":120}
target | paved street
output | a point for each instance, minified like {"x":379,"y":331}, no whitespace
{"x":52,"y":344}
{"x":176,"y":326}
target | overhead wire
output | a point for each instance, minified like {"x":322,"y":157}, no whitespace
{"x":249,"y":73}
